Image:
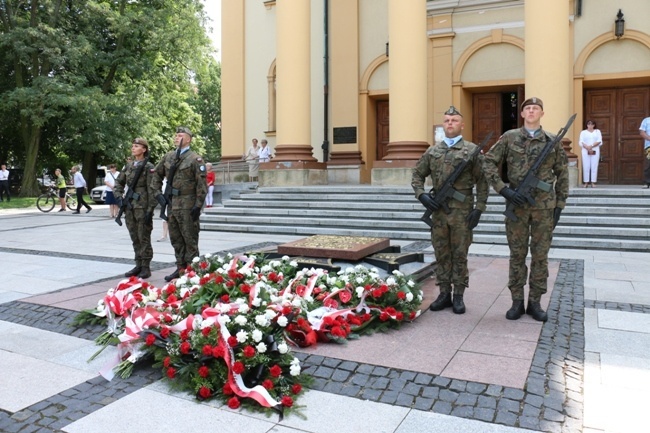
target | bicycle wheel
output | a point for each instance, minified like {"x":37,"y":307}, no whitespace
{"x":71,"y":202}
{"x":45,"y":202}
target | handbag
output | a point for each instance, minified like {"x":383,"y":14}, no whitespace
{"x":591,"y":152}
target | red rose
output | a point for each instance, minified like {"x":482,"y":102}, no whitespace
{"x":232,"y":341}
{"x":328,"y":321}
{"x":206,"y":331}
{"x":218,"y":352}
{"x":204,"y":371}
{"x":399,"y":316}
{"x":276,"y":371}
{"x":205,"y":392}
{"x":170,"y":289}
{"x":225,"y":298}
{"x":401,"y":295}
{"x":384,"y":316}
{"x":286,"y":310}
{"x":166,"y":361}
{"x":164,"y":332}
{"x":376,"y":293}
{"x":185,"y":347}
{"x":412,"y":315}
{"x":171,"y":372}
{"x":171,"y":299}
{"x":233,"y":403}
{"x":268,"y":384}
{"x":227,"y":390}
{"x":238,"y":367}
{"x":296,"y":388}
{"x":287,"y":401}
{"x":184,"y":334}
{"x":150,"y":340}
{"x":392,"y":311}
{"x":383,"y":288}
{"x":245,"y":289}
{"x":203,"y":265}
{"x":345,"y":296}
{"x":249,"y":351}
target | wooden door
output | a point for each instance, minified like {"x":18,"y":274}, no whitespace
{"x":618,"y":114}
{"x":486,"y":117}
{"x":383,"y":131}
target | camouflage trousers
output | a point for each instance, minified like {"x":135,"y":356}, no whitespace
{"x":184,"y":236}
{"x":140,"y":232}
{"x":534,"y":229}
{"x":451,"y":239}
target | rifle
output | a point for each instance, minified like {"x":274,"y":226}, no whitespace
{"x":166,"y":197}
{"x":130,"y":191}
{"x":447,"y":191}
{"x":531,"y":180}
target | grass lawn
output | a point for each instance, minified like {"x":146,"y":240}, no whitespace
{"x":26,"y":202}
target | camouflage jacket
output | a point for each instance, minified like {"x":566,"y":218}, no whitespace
{"x":188,"y":186}
{"x":519,"y":151}
{"x":439,"y":162}
{"x":143,"y":197}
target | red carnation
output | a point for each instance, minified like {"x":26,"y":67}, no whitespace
{"x":268,"y":384}
{"x":238,"y":367}
{"x":184,"y":334}
{"x":384,"y":316}
{"x":345,"y":296}
{"x":412,"y":315}
{"x":227,"y":389}
{"x":203,"y":265}
{"x":166,"y":361}
{"x":232,"y":341}
{"x":205,"y":392}
{"x":171,"y":299}
{"x":204,"y":280}
{"x":171,"y":372}
{"x":245,"y":289}
{"x":331,"y":303}
{"x":273,"y":277}
{"x":287,"y":401}
{"x":207,"y":350}
{"x":150,"y":340}
{"x":401,"y":295}
{"x":164,"y":332}
{"x":249,"y":351}
{"x":218,"y":279}
{"x":225,"y":298}
{"x":296,"y":388}
{"x":204,"y":371}
{"x":185,"y":347}
{"x":399,"y":316}
{"x":218,"y":352}
{"x":170,"y":289}
{"x":233,"y":403}
{"x":232,"y":273}
{"x":276,"y":371}
{"x":206,"y":331}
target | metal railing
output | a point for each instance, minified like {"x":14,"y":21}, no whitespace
{"x":227,"y":171}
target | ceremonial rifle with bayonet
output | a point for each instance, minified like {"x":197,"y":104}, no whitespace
{"x":166,"y":197}
{"x":447,"y":191}
{"x":130,"y":193}
{"x":531,"y":181}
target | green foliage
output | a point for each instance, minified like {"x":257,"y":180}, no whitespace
{"x":80,"y":80}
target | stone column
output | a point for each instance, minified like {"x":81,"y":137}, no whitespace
{"x":293,"y":163}
{"x":407,"y":66}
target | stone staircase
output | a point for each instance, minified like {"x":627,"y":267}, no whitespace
{"x":610,"y":217}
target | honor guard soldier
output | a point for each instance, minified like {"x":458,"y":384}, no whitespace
{"x":138,"y":202}
{"x":532,"y":219}
{"x":454,"y":165}
{"x":183,"y":197}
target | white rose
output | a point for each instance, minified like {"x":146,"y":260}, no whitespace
{"x":242,"y":336}
{"x":261,"y":347}
{"x":409,"y":296}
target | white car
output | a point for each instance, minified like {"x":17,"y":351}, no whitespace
{"x":98,"y":194}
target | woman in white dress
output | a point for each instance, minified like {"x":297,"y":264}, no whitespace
{"x":590,"y":141}
{"x":253,"y":161}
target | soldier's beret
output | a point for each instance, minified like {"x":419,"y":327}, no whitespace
{"x":141,"y":142}
{"x":533,"y":101}
{"x":453,"y":112}
{"x":184,"y":130}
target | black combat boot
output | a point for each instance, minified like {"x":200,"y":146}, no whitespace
{"x":145,"y":272}
{"x":535,"y":310}
{"x":173,"y":275}
{"x":459,"y":305}
{"x":516,"y":311}
{"x":133,"y":272}
{"x":442,"y":301}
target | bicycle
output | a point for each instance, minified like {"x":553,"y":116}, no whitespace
{"x":46,"y":202}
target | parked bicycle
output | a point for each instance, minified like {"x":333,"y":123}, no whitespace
{"x":46,"y":202}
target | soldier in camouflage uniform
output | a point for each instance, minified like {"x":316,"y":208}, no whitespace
{"x":139,"y":220}
{"x":518,"y":149}
{"x":188,"y":194}
{"x":451,"y":234}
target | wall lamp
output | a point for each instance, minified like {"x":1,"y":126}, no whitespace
{"x":619,"y":25}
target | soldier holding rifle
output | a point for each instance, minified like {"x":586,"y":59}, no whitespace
{"x":183,"y":197}
{"x":138,"y":202}
{"x":454,"y":217}
{"x":539,"y":186}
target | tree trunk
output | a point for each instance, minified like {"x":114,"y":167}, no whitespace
{"x":29,"y":186}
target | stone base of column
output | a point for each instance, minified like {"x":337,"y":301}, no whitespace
{"x":397,"y":166}
{"x":344,"y":167}
{"x":296,"y":173}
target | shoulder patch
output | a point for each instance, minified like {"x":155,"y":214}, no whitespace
{"x":199,"y":159}
{"x":151,"y":170}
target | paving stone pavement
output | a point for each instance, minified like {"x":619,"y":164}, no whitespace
{"x":576,"y":382}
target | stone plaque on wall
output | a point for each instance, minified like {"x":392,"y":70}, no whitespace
{"x":345,"y":135}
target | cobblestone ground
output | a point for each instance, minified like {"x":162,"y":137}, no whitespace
{"x":551,"y":400}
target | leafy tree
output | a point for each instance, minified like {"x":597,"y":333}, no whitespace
{"x":207,"y":102}
{"x":84,"y":78}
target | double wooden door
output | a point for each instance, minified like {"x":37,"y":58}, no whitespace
{"x":618,"y":113}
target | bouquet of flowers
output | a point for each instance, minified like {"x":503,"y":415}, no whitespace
{"x":224,"y":328}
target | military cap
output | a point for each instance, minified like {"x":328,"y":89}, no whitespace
{"x":533,"y":101}
{"x":184,"y":130}
{"x":453,"y":112}
{"x":141,"y":142}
